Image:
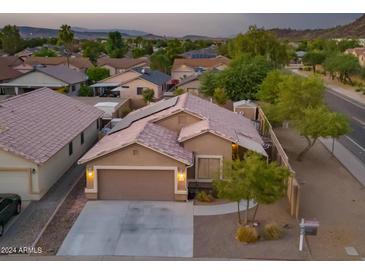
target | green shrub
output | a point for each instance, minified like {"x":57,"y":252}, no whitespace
{"x":179,"y":91}
{"x":247,"y":234}
{"x":202,"y":196}
{"x":273,"y":232}
{"x":85,"y":91}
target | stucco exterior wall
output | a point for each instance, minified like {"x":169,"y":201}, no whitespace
{"x":177,"y":121}
{"x":14,"y":177}
{"x":135,"y":155}
{"x":111,"y":69}
{"x":182,"y":72}
{"x":192,"y":86}
{"x":55,"y":167}
{"x":131,"y":91}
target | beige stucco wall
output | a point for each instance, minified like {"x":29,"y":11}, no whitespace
{"x":192,"y":86}
{"x":182,"y":72}
{"x":55,"y":167}
{"x":248,"y":112}
{"x":12,"y":177}
{"x":111,"y":69}
{"x":131,"y":91}
{"x":177,"y":121}
{"x":142,"y":156}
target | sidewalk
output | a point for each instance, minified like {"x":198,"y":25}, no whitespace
{"x":342,"y":90}
{"x":209,"y":210}
{"x":330,"y":194}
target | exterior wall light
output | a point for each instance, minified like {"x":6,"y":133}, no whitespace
{"x":180,"y":176}
{"x":90,"y":172}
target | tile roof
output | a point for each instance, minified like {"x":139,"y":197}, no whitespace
{"x":7,"y":73}
{"x":121,"y":63}
{"x":79,"y":62}
{"x":215,"y":119}
{"x":208,"y":63}
{"x":64,"y":74}
{"x":11,"y":60}
{"x":144,"y":133}
{"x":154,"y":76}
{"x":37,"y":124}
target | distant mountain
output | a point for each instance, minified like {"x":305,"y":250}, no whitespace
{"x":125,"y":31}
{"x":356,"y":29}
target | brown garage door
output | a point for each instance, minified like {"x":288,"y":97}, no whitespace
{"x":149,"y":185}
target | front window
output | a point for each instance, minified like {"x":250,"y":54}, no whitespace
{"x":139,"y":91}
{"x":70,"y":149}
{"x":208,"y":168}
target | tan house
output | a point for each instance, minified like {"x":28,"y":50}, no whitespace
{"x":54,"y":77}
{"x":166,"y":150}
{"x":118,"y":65}
{"x":183,"y":68}
{"x":359,"y":53}
{"x":42,"y":134}
{"x":131,"y":83}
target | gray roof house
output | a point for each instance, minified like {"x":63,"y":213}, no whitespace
{"x":54,"y":77}
{"x":42,"y":133}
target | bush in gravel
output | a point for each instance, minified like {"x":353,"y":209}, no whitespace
{"x":273,"y":232}
{"x":202,"y":196}
{"x":247,"y":234}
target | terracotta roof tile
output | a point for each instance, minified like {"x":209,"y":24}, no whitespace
{"x":121,"y":63}
{"x":208,"y":63}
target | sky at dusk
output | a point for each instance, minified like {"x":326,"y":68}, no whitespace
{"x":219,"y":25}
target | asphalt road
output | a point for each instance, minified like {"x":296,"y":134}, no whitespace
{"x":355,"y":111}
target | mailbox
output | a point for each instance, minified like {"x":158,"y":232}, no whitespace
{"x":310,"y":227}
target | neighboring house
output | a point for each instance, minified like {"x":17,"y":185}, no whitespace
{"x":11,"y":61}
{"x":209,"y":52}
{"x":167,"y":149}
{"x":131,"y":83}
{"x":76,"y":63}
{"x":42,"y":134}
{"x":118,"y":65}
{"x":7,"y":73}
{"x":183,"y":68}
{"x":359,"y":53}
{"x":189,"y":84}
{"x":55,"y":77}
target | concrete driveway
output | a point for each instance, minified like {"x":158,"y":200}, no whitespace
{"x":132,"y":228}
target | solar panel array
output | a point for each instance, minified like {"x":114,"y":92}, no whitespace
{"x":140,"y":114}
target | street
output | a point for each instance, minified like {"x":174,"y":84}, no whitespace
{"x":355,"y":111}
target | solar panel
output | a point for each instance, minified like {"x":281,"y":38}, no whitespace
{"x":140,"y":114}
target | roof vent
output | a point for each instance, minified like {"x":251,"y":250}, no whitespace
{"x":143,"y":70}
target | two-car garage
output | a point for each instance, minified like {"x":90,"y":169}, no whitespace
{"x":124,"y":184}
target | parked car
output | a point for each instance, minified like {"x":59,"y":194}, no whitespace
{"x":10,"y":205}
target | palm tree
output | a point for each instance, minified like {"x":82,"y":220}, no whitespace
{"x":66,"y":38}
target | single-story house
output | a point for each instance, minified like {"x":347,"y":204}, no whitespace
{"x":183,"y":68}
{"x":167,"y":149}
{"x":54,"y":77}
{"x":6,"y":74}
{"x":42,"y":134}
{"x":76,"y":63}
{"x":118,"y":65}
{"x":131,"y":83}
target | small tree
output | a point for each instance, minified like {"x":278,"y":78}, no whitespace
{"x":148,"y":95}
{"x":85,"y":91}
{"x":220,"y":96}
{"x":97,"y":73}
{"x":319,"y":122}
{"x":209,"y":81}
{"x":45,"y":52}
{"x":267,"y":180}
{"x":314,"y":58}
{"x":233,"y":185}
{"x":10,"y":38}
